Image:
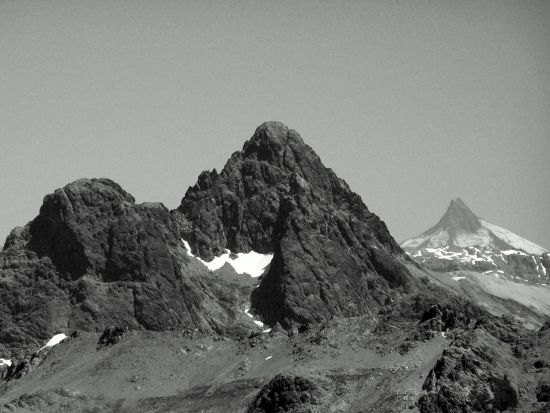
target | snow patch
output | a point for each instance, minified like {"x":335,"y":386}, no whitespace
{"x":458,"y":278}
{"x":268,"y":357}
{"x":257,"y":322}
{"x":513,"y":252}
{"x":5,"y":362}
{"x":54,"y":341}
{"x":469,"y":255}
{"x":251,"y":263}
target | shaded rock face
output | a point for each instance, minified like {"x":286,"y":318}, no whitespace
{"x":332,"y":256}
{"x":94,"y":258}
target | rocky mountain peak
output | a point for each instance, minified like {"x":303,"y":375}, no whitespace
{"x":269,"y":143}
{"x":276,"y":196}
{"x":276,"y":144}
{"x":459,"y":217}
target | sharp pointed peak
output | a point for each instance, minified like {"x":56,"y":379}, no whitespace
{"x":459,"y":216}
{"x":458,"y":202}
{"x":457,"y":205}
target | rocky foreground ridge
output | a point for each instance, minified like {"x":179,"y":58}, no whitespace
{"x":353,"y":324}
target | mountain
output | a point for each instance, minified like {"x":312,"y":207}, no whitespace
{"x":93,"y":257}
{"x":331,"y":255}
{"x":271,"y":287}
{"x":463,"y":241}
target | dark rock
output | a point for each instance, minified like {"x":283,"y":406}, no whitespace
{"x":111,"y":335}
{"x":438,"y":318}
{"x":504,"y":394}
{"x":286,"y":393}
{"x":433,"y":312}
{"x":332,"y":256}
{"x":545,"y":327}
{"x":540,"y":364}
{"x":405,"y":347}
{"x":543,"y":392}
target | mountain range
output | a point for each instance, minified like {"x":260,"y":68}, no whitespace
{"x":271,"y":287}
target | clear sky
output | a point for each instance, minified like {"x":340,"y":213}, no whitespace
{"x":411,"y":102}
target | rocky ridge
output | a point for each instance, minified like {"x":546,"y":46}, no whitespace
{"x":93,"y":258}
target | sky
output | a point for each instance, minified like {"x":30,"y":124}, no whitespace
{"x":413,"y":103}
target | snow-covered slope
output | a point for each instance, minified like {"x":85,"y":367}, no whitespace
{"x":515,"y":241}
{"x":463,"y":241}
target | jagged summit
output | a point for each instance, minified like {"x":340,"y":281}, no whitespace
{"x":270,"y":134}
{"x":275,"y":143}
{"x":277,"y":197}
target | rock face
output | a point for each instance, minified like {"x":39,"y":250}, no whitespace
{"x":462,"y":241}
{"x":94,"y":258}
{"x":332,"y":256}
